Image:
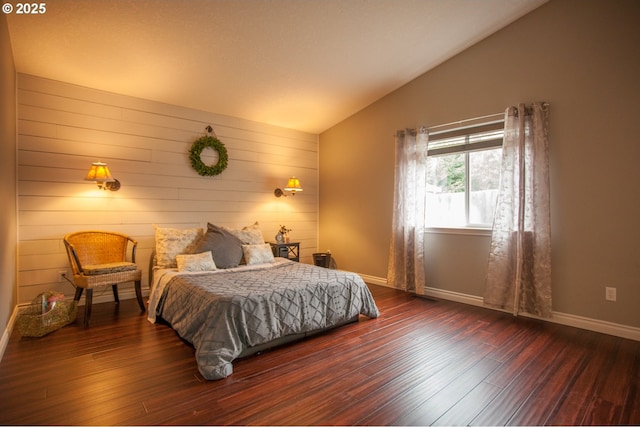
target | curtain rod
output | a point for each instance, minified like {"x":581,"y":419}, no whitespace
{"x":528,"y":108}
{"x":497,"y":117}
{"x":466,"y":123}
{"x":491,"y":118}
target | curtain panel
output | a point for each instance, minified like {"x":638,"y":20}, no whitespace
{"x":406,"y":251}
{"x":519,"y":267}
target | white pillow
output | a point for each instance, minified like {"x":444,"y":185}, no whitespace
{"x":249,"y":235}
{"x":196,"y":262}
{"x":258,"y":254}
{"x":173,"y":241}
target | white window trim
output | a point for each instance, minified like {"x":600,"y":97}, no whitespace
{"x":469,"y":231}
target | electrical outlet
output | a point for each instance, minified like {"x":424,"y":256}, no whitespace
{"x":610,"y":293}
{"x":62,"y":276}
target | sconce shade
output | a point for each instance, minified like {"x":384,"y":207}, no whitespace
{"x":293,"y":185}
{"x":100,"y":174}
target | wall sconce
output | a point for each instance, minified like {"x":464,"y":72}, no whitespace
{"x":293,"y":186}
{"x":99,"y":173}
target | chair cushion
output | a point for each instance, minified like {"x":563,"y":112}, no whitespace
{"x":114,"y":267}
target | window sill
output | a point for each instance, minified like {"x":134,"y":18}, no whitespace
{"x":468,"y":231}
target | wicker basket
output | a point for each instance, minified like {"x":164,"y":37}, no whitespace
{"x":33,"y":322}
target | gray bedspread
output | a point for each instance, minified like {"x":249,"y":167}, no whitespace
{"x":224,"y":313}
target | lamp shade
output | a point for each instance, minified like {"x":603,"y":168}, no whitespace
{"x":99,"y":173}
{"x":293,"y":185}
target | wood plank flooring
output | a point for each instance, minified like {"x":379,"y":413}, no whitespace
{"x":423,"y":362}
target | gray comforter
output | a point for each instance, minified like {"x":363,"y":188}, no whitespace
{"x":224,"y":313}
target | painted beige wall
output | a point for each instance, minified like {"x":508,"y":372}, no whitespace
{"x":63,"y":128}
{"x":582,"y":57}
{"x":8,"y":221}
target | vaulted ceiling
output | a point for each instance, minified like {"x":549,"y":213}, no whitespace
{"x":300,"y":64}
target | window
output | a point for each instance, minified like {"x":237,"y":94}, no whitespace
{"x":463,"y":176}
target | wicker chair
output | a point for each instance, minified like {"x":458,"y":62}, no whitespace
{"x":99,"y":258}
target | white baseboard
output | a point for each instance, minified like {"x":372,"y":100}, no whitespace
{"x":589,"y":324}
{"x":4,"y":341}
{"x":595,"y":325}
{"x":106,"y":295}
{"x":375,"y":280}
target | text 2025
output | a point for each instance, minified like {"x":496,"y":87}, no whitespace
{"x":31,"y":8}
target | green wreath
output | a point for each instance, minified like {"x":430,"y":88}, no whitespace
{"x":196,"y":150}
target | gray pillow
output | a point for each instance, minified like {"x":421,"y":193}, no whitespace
{"x":224,"y":246}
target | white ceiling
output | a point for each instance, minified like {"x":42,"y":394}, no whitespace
{"x":300,"y":64}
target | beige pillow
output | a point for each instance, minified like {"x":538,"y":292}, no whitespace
{"x":249,"y":235}
{"x":258,"y":254}
{"x":173,"y":241}
{"x":196,"y":262}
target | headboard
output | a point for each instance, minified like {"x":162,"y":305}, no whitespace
{"x":152,"y":263}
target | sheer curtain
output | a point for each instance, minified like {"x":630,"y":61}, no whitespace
{"x":406,"y":252}
{"x":519,"y":269}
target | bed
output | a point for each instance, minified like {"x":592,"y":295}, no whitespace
{"x":249,"y":304}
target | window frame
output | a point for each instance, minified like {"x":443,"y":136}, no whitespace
{"x":467,"y":132}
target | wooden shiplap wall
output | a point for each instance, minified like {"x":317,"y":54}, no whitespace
{"x":63,"y":128}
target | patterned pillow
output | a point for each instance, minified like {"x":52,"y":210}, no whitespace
{"x":249,"y":235}
{"x":224,"y":246}
{"x":196,"y":262}
{"x":258,"y":254}
{"x":173,"y":241}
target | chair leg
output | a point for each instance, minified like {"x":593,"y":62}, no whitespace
{"x":78,"y":295}
{"x":115,"y":293}
{"x":87,"y":307}
{"x":139,"y":295}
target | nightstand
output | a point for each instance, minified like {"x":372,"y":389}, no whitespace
{"x":286,"y":250}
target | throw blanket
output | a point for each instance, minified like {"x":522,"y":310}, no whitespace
{"x":223,"y":313}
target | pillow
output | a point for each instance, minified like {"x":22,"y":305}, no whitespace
{"x":173,"y":241}
{"x":258,"y":254}
{"x":196,"y":262}
{"x":249,"y":235}
{"x":225,"y":248}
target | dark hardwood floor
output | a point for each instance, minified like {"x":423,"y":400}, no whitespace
{"x":422,"y":362}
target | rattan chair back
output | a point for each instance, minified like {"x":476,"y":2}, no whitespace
{"x":97,"y":247}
